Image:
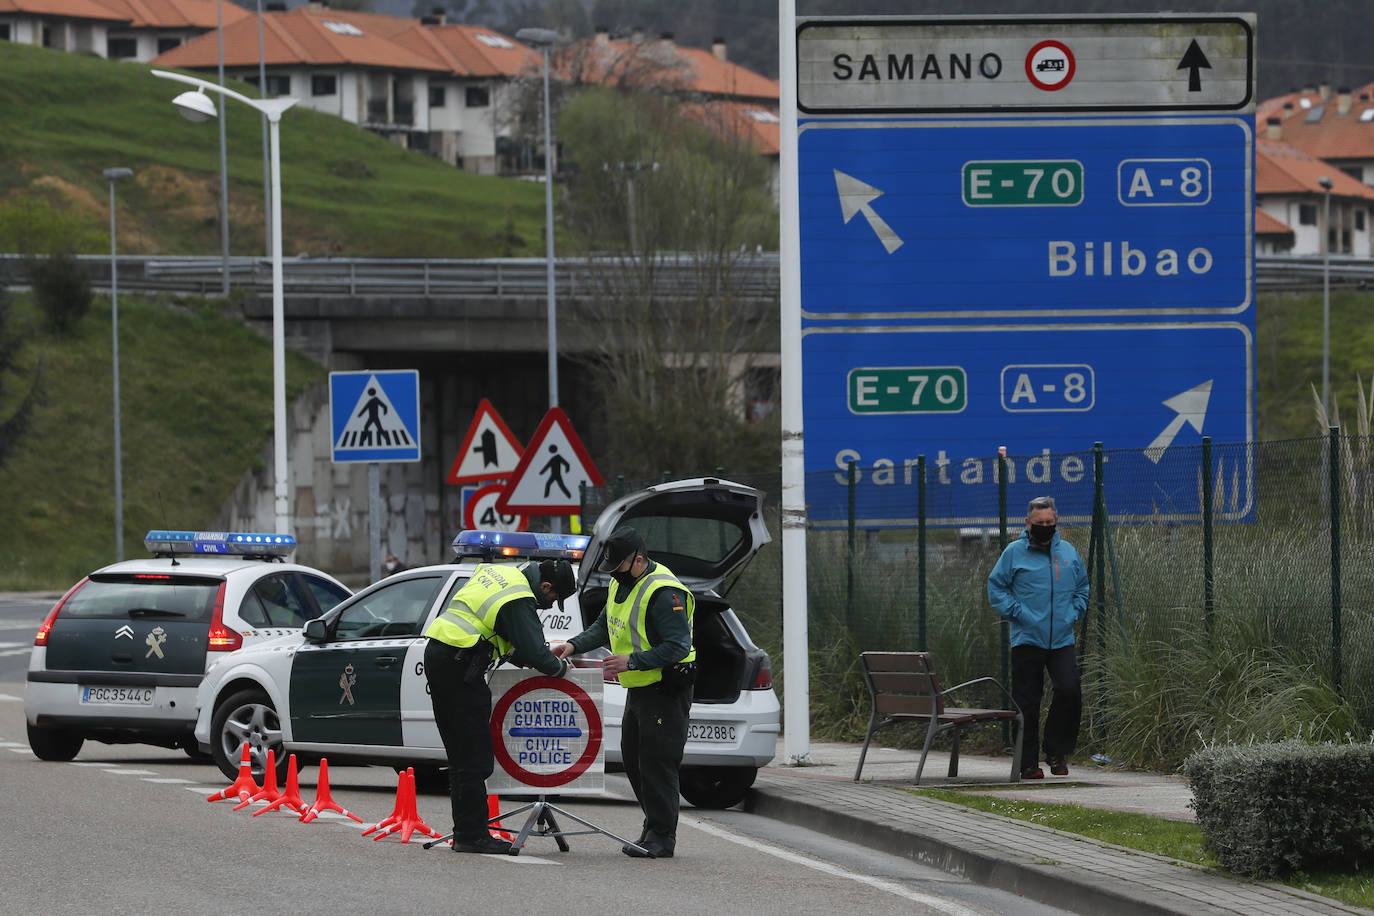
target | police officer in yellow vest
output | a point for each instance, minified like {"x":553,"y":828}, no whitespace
{"x":491,"y":618}
{"x":647,"y":622}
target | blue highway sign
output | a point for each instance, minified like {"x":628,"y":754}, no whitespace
{"x":375,"y":415}
{"x":956,"y":393}
{"x":973,"y":219}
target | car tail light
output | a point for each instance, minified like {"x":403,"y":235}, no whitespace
{"x":46,"y":627}
{"x":222,"y":639}
{"x":763,"y":678}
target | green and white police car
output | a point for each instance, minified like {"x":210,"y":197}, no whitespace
{"x":351,"y":685}
{"x":119,"y":657}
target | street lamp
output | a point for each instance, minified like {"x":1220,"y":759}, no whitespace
{"x":114,"y":175}
{"x":197,"y":106}
{"x":542,"y":39}
{"x":1326,"y":303}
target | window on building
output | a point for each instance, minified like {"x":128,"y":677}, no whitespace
{"x":1345,"y":242}
{"x":278,"y":85}
{"x":477,"y":97}
{"x":1354,"y":171}
{"x":121,"y":48}
{"x":4,"y":31}
{"x":166,"y":44}
{"x":1359,"y":221}
{"x":436,"y":96}
{"x":1307,"y":214}
{"x":322,"y":84}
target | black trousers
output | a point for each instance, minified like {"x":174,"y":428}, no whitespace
{"x":462,"y":712}
{"x":653,"y":733}
{"x":1028,"y":667}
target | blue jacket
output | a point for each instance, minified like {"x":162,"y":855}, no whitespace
{"x":1043,"y":593}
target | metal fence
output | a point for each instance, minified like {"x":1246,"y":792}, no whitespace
{"x":1243,"y":605}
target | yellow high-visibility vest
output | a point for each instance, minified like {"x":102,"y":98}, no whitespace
{"x":627,"y":622}
{"x":471,"y":614}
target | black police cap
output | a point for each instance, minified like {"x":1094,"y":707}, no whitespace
{"x":625,"y":542}
{"x":559,"y":574}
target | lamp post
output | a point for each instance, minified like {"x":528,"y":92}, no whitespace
{"x":542,"y":39}
{"x":1326,"y":302}
{"x":113,"y":175}
{"x":197,"y":106}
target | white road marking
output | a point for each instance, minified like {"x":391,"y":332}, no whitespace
{"x":11,"y":645}
{"x":19,"y":750}
{"x":7,"y":698}
{"x":13,"y":744}
{"x":87,"y":763}
{"x":891,"y":887}
{"x":169,"y":779}
{"x":23,"y":651}
{"x":121,"y":771}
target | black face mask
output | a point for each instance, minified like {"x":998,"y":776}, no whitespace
{"x":624,"y":579}
{"x":1041,"y":534}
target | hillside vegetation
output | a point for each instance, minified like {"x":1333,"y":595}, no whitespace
{"x":64,"y":118}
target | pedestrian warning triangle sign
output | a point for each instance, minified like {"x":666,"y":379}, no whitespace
{"x":490,"y":450}
{"x":548,"y":480}
{"x":375,"y":415}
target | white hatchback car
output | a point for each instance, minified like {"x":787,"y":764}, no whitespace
{"x":351,"y":686}
{"x":118,"y":659}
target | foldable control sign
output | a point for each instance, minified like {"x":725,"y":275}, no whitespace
{"x":1038,"y":235}
{"x":547,"y":733}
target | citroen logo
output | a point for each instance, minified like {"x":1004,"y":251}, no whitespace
{"x":124,"y":632}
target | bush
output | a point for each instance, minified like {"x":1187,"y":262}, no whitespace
{"x":1268,"y":809}
{"x":61,"y":289}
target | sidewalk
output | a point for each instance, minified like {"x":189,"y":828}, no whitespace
{"x":1055,"y":868}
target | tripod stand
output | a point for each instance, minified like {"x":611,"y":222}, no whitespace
{"x":541,"y":822}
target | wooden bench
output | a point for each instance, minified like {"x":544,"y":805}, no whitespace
{"x":904,"y":687}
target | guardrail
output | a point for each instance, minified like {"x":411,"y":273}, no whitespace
{"x":752,"y":276}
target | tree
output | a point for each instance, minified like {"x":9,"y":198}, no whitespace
{"x":678,"y":205}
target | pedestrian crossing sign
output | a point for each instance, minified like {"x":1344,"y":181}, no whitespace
{"x":548,"y":480}
{"x":375,"y":415}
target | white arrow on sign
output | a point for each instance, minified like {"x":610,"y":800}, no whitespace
{"x":858,"y":197}
{"x":1189,"y":407}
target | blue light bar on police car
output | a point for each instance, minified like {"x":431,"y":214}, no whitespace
{"x":238,"y":543}
{"x":520,"y":544}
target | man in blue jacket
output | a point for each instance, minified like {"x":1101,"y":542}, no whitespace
{"x":1041,"y":586}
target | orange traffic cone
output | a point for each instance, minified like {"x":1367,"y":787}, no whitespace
{"x":268,"y":792}
{"x":291,"y":795}
{"x":242,"y":787}
{"x":323,"y":800}
{"x":405,"y":817}
{"x":494,"y":820}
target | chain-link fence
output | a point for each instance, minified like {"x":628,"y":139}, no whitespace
{"x":1232,"y":584}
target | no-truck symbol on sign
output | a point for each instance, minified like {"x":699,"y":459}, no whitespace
{"x":547,"y":733}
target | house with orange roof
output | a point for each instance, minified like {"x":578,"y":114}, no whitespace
{"x":1289,"y":189}
{"x":423,"y":84}
{"x":115,"y":29}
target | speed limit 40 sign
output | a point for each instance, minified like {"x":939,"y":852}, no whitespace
{"x":479,"y":510}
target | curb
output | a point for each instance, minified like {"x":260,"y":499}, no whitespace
{"x":1051,"y":885}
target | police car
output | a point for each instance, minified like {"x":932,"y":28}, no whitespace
{"x":119,"y":657}
{"x":351,"y":685}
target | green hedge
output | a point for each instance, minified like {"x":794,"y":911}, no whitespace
{"x":1269,"y":809}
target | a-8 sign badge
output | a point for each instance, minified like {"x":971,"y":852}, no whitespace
{"x":546,"y":733}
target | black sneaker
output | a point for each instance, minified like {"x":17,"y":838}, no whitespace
{"x":1032,"y":773}
{"x":1058,"y":765}
{"x":489,"y":845}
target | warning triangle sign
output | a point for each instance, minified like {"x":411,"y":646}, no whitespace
{"x":548,"y":480}
{"x":374,"y":422}
{"x":490,"y":450}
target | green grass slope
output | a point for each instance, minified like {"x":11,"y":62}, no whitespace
{"x":196,"y":393}
{"x":66,"y":117}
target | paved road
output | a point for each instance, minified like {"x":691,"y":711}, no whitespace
{"x":126,"y":829}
